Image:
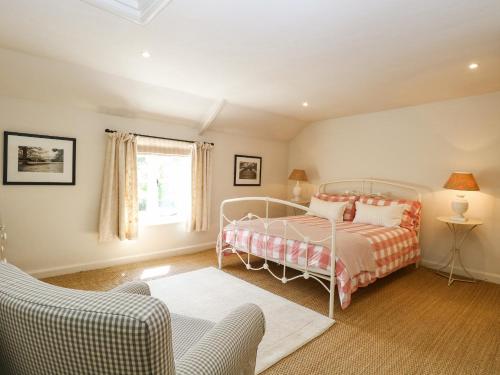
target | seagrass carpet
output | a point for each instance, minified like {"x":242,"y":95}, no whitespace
{"x":410,"y":322}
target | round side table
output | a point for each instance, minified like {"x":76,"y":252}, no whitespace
{"x":459,"y":237}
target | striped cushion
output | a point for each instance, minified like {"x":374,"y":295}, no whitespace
{"x":411,"y":215}
{"x":350,"y":210}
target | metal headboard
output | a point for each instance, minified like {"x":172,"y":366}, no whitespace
{"x":367,"y":187}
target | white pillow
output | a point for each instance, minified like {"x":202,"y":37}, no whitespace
{"x":327,"y":209}
{"x":386,"y":216}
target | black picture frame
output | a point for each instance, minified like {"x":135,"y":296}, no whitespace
{"x":238,"y":180}
{"x":6,"y":181}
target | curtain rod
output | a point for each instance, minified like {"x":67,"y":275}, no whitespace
{"x":153,"y":136}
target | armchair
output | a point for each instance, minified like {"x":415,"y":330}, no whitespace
{"x":46,"y":329}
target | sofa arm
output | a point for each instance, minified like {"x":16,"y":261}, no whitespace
{"x":230,"y":347}
{"x":132,"y":287}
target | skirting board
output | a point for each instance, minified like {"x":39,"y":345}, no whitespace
{"x":49,"y":272}
{"x":480,"y":275}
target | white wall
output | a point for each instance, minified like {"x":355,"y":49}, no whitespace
{"x":53,"y":229}
{"x":420,"y":145}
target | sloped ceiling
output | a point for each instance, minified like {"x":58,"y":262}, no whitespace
{"x":264,"y":58}
{"x":42,"y":79}
{"x":58,"y":82}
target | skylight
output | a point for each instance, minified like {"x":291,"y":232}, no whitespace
{"x":138,"y":11}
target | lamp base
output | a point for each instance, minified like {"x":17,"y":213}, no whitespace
{"x":296,"y":192}
{"x":459,"y":206}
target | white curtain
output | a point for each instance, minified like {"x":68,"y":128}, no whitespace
{"x":201,"y":186}
{"x":149,"y":145}
{"x":118,"y":217}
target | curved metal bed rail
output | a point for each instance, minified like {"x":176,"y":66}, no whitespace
{"x":370,"y":181}
{"x":306,"y":273}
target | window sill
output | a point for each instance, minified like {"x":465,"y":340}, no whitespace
{"x":155,"y":223}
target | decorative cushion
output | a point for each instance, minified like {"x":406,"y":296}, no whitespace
{"x":411,"y":215}
{"x":327,"y":209}
{"x":386,"y":216}
{"x":350,"y":209}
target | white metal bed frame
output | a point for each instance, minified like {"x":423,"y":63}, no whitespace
{"x":306,"y":272}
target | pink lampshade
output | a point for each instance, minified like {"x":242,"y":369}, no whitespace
{"x":462,"y":181}
{"x":298,"y":175}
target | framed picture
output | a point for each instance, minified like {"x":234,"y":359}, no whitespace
{"x":33,"y":159}
{"x":247,"y":170}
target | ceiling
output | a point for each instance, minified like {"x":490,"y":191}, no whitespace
{"x":263,"y":57}
{"x":139,"y":11}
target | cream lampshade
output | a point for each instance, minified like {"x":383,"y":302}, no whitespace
{"x":462,"y":181}
{"x":297,"y":175}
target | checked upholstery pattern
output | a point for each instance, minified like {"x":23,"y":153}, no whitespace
{"x":133,"y":287}
{"x":230,"y":347}
{"x":48,"y":330}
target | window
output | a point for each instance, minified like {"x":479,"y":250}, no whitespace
{"x":164,"y":188}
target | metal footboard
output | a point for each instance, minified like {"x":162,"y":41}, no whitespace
{"x":326,"y":280}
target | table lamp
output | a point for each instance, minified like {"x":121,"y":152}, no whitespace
{"x":462,"y":181}
{"x":297,"y":175}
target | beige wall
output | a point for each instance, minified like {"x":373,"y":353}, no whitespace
{"x":52,"y":229}
{"x":420,"y":145}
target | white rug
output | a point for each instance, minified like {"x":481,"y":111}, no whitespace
{"x":211,"y":294}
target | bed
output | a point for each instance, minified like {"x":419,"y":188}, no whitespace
{"x":362,"y":252}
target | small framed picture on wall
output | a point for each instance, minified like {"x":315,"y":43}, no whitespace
{"x":247,"y":170}
{"x":33,"y":159}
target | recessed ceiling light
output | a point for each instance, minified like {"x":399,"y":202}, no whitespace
{"x":146,"y":54}
{"x":305,"y":104}
{"x":473,"y":66}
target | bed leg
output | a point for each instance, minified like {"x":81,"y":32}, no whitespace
{"x":333,"y":268}
{"x":332,"y":299}
{"x":220,"y":257}
{"x":218,"y":248}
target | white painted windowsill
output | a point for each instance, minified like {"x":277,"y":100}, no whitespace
{"x":167,"y":221}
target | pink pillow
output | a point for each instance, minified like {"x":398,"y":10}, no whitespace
{"x":411,"y":215}
{"x":350,"y":209}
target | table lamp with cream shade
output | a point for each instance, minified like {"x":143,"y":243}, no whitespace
{"x":297,"y":175}
{"x":461,"y":181}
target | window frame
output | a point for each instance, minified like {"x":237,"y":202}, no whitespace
{"x":148,"y":220}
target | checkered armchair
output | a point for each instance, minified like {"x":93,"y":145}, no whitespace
{"x":46,"y":329}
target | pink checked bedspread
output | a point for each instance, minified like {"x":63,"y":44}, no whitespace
{"x":393,"y":248}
